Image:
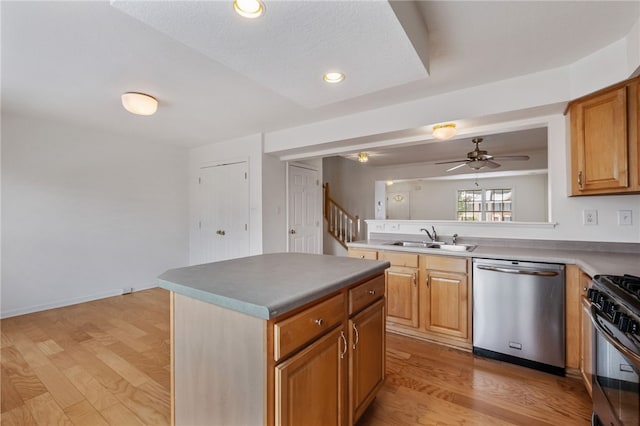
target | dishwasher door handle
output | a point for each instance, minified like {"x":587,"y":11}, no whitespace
{"x":518,"y":271}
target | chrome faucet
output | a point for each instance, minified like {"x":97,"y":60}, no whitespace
{"x":454,"y":239}
{"x":433,"y":237}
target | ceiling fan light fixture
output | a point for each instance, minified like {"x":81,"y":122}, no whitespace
{"x":248,"y":8}
{"x":139,"y":103}
{"x":444,"y":131}
{"x":333,"y":77}
{"x":363,"y":157}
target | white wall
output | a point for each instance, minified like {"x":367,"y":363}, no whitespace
{"x":274,"y":204}
{"x":248,"y":148}
{"x":565,"y":211}
{"x":351,"y":184}
{"x":86,"y":214}
{"x":437,"y":199}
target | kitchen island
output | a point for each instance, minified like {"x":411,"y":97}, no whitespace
{"x":276,"y":339}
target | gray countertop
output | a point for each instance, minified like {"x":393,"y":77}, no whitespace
{"x":269,"y":285}
{"x":592,"y":262}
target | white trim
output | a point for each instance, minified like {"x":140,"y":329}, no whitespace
{"x":458,"y":223}
{"x":68,"y":302}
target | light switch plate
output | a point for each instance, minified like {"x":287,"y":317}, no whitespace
{"x":589,"y":217}
{"x":624,"y":217}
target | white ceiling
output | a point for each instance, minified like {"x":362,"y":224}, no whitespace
{"x":217,"y":76}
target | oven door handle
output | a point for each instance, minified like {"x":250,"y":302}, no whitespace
{"x":632,"y":356}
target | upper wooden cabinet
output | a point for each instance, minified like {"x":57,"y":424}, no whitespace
{"x":604,"y":141}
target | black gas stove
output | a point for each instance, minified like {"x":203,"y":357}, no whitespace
{"x":616,"y":293}
{"x":615,"y":314}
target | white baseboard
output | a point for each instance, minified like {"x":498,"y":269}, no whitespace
{"x":68,"y":302}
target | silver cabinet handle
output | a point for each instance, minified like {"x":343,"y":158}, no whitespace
{"x":355,"y":329}
{"x":518,"y":271}
{"x":319,"y":321}
{"x":414,"y":279}
{"x":580,"y":179}
{"x":344,"y":340}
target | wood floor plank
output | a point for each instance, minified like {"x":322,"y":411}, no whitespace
{"x":46,"y":411}
{"x":149,"y":409}
{"x":121,"y":366}
{"x":90,"y":345}
{"x":59,"y":387}
{"x":19,"y":416}
{"x":94,"y":392}
{"x":149,"y":366}
{"x":118,"y":414}
{"x":49,"y":347}
{"x":18,"y":374}
{"x":96,"y":368}
{"x":83,"y":413}
{"x":9,"y":395}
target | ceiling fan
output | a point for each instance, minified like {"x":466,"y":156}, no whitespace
{"x":478,"y":158}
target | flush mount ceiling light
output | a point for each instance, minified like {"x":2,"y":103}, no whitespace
{"x":444,"y":131}
{"x":139,"y":103}
{"x":333,"y":77}
{"x":248,"y":8}
{"x":363,"y":157}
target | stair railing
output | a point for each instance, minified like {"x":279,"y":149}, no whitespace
{"x":342,"y":226}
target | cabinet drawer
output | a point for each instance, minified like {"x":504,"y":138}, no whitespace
{"x":293,"y":332}
{"x":400,"y":259}
{"x":363,"y":254}
{"x":446,"y":263}
{"x":365,"y":294}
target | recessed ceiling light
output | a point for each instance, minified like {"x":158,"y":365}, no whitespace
{"x":248,"y":8}
{"x":139,"y":103}
{"x":333,"y":77}
{"x":363,"y":157}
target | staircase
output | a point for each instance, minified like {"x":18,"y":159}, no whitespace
{"x":341,"y":225}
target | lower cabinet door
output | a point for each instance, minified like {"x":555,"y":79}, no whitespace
{"x":366,"y":360}
{"x":309,"y":386}
{"x":448,"y":304}
{"x":402,"y":296}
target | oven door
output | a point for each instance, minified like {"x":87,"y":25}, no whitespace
{"x":616,"y":391}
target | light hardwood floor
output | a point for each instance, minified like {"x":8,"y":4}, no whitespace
{"x":107,"y":363}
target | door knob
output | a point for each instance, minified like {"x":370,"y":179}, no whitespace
{"x":293,"y":231}
{"x":220,"y":232}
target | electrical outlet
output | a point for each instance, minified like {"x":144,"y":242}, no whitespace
{"x":624,"y":217}
{"x":589,"y":217}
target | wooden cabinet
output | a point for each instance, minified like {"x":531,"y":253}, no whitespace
{"x":429,"y":297}
{"x":604,"y":141}
{"x":316,"y":370}
{"x":366,"y":358}
{"x":446,"y":296}
{"x":363,"y":253}
{"x":402,"y":288}
{"x":321,"y":364}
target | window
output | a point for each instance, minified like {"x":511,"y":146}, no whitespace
{"x":491,"y":205}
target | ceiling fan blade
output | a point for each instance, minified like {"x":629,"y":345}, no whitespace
{"x":453,"y":161}
{"x":511,"y":157}
{"x":456,"y":167}
{"x":492,"y":164}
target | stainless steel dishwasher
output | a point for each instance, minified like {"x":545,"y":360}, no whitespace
{"x":518,"y":313}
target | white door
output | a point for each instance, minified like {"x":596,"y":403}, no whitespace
{"x":305,"y":208}
{"x":223,"y":192}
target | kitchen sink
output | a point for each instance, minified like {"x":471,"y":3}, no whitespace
{"x":435,"y":245}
